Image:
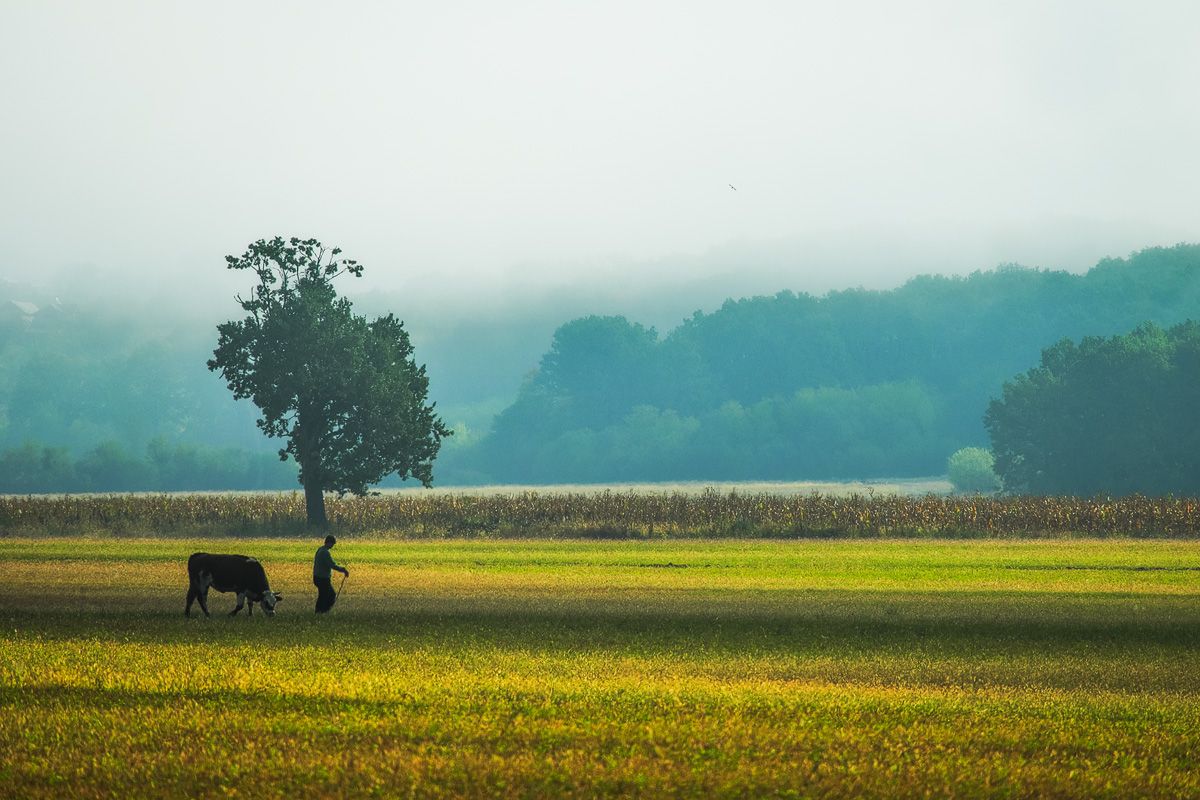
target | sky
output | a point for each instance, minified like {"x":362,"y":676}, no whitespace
{"x":474,"y":155}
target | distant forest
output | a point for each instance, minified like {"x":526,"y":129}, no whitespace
{"x":853,"y":384}
{"x":92,"y":400}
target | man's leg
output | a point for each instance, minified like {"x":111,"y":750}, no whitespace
{"x":325,"y":595}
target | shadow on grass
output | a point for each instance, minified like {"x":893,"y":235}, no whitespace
{"x":834,"y":620}
{"x":219,"y":701}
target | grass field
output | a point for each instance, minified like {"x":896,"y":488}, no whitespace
{"x":569,"y":668}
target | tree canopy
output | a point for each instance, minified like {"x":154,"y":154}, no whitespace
{"x":345,"y":393}
{"x":1104,"y":416}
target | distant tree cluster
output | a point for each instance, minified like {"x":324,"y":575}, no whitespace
{"x":842,"y":433}
{"x":164,"y":466}
{"x":88,"y":380}
{"x":854,"y":384}
{"x":1105,"y":416}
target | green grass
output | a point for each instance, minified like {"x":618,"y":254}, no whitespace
{"x":697,"y":668}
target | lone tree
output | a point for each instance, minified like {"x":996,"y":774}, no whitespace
{"x":345,"y":393}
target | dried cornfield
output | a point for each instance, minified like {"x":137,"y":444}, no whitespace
{"x":616,"y":514}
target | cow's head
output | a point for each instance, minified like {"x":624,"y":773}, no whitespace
{"x":269,"y":599}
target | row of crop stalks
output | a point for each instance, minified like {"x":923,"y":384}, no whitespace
{"x":610,"y":513}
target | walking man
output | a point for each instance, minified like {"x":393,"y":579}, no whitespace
{"x":323,"y":567}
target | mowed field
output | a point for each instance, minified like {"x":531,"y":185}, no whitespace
{"x":586,"y":668}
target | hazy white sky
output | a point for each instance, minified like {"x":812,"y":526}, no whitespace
{"x":496,"y":146}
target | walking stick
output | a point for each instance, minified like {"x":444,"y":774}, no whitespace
{"x":340,"y":585}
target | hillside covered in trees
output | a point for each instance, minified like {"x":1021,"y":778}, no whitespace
{"x":852,"y":384}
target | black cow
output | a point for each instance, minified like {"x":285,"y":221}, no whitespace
{"x":240,"y":574}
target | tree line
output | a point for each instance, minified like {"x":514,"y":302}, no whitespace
{"x":163,"y":466}
{"x":853,"y":384}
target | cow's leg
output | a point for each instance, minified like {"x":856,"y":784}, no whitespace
{"x":202,"y":596}
{"x":187,"y":611}
{"x":241,"y":602}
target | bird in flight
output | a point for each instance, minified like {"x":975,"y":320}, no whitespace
{"x":731,"y":186}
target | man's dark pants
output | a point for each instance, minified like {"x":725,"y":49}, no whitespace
{"x":325,"y":594}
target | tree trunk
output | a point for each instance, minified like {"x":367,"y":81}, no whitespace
{"x":314,"y":506}
{"x":309,"y":455}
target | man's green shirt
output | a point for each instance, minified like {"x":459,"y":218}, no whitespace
{"x":323,"y":565}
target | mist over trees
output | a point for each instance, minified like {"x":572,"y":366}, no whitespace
{"x":853,"y":384}
{"x":93,"y":401}
{"x":76,"y":377}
